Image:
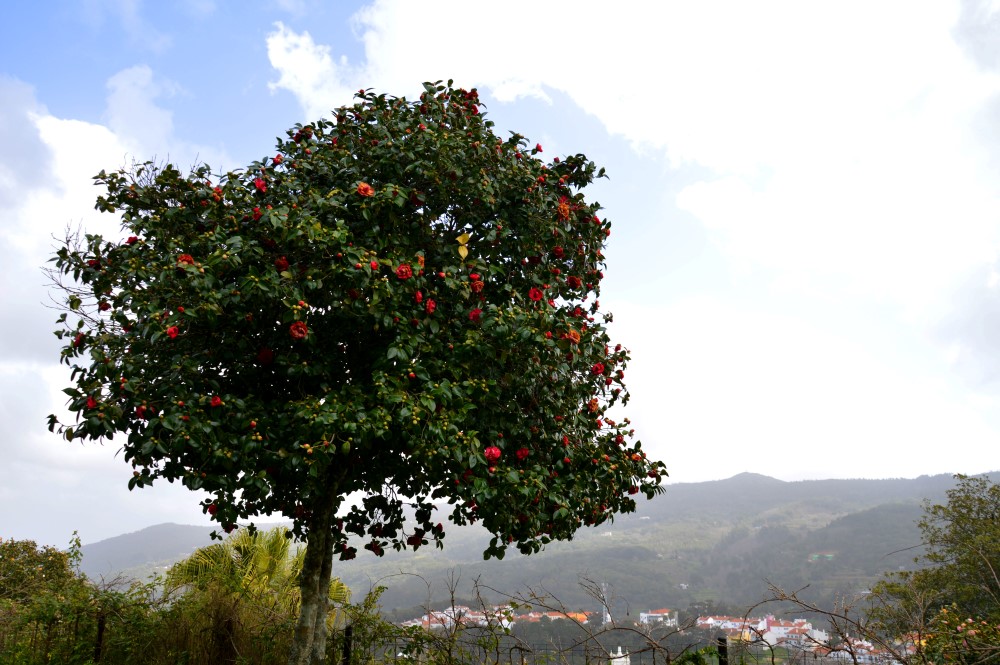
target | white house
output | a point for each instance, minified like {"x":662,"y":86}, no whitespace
{"x":664,"y":617}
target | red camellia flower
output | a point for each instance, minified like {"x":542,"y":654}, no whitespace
{"x":298,"y":330}
{"x":104,"y":306}
{"x":597,"y":369}
{"x":216,"y":401}
{"x":278,"y":159}
{"x":132,"y":240}
{"x":140,"y":411}
{"x":91,"y":403}
{"x":364,"y":189}
{"x":431,"y":306}
{"x":574,"y":282}
{"x":256,"y":214}
{"x":535,"y":293}
{"x":419,"y":297}
{"x":538,"y":147}
{"x":260,"y":185}
{"x":492,"y":454}
{"x":558,"y":252}
{"x":185,"y":260}
{"x":562,"y":211}
{"x":78,"y":340}
{"x":404,"y":271}
{"x":522,"y":453}
{"x":475,"y":314}
{"x":172,"y":332}
{"x":281,"y":263}
{"x":212,"y":508}
{"x":93,"y":263}
{"x":477,"y":286}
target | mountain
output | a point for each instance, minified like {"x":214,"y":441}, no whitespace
{"x":711,"y":543}
{"x":152,"y":547}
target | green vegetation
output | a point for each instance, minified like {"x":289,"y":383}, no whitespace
{"x":946,"y":609}
{"x":951,"y":604}
{"x":398,"y":306}
{"x":231,"y":602}
{"x":236,"y":601}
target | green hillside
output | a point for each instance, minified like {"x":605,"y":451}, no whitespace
{"x":716,"y":544}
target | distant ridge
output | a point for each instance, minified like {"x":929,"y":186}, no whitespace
{"x":718,"y":541}
{"x":154,"y":544}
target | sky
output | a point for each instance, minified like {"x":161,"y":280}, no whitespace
{"x":804,"y":197}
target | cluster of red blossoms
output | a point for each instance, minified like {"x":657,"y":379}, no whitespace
{"x":298,"y":330}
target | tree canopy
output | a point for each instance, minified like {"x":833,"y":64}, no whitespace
{"x":950,"y":606}
{"x":396,"y":306}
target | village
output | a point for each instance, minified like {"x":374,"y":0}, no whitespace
{"x":767,"y":632}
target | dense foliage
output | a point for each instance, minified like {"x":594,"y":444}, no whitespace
{"x":234,"y":601}
{"x":396,"y":303}
{"x":398,"y":306}
{"x":951,"y":604}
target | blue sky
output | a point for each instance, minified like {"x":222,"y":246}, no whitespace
{"x":805,"y":203}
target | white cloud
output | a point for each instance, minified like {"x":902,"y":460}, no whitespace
{"x":69,"y":483}
{"x":838,"y":153}
{"x":309,"y":72}
{"x":839,"y":136}
{"x":720,"y":388}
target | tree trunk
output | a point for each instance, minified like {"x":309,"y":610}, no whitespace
{"x":309,"y":638}
{"x":99,"y":640}
{"x":318,"y":656}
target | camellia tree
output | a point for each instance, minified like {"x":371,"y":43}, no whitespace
{"x":398,"y":306}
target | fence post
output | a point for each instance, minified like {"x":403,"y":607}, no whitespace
{"x":723,"y":650}
{"x":348,"y":634}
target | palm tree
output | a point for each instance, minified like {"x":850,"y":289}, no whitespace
{"x":249,"y":581}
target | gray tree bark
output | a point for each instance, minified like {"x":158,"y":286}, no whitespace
{"x":310,"y":635}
